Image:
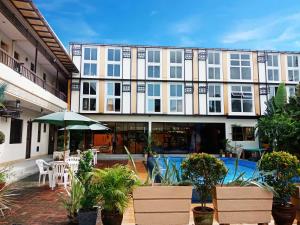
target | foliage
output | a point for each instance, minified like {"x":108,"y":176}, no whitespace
{"x":114,"y":186}
{"x":8,"y":197}
{"x":2,"y":95}
{"x":278,"y":130}
{"x":280,"y":97}
{"x":85,"y":165}
{"x":60,"y":141}
{"x":2,"y":137}
{"x":204,"y":171}
{"x":75,"y":193}
{"x":282,"y":167}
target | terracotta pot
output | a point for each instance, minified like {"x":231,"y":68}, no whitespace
{"x":203,"y":215}
{"x":111,"y":218}
{"x":284,"y":214}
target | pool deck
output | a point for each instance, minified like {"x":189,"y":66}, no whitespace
{"x":41,"y":206}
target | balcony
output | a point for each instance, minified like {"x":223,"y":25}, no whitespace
{"x":23,"y":71}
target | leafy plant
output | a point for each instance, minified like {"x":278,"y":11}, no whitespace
{"x":280,"y":97}
{"x":114,"y":186}
{"x":85,"y":165}
{"x":282,"y":167}
{"x":204,"y":171}
{"x":75,"y":193}
{"x":7,"y":198}
{"x":2,"y":137}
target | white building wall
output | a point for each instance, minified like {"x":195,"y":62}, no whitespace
{"x":202,"y":104}
{"x":141,"y":66}
{"x":188,"y":70}
{"x":75,"y":101}
{"x":126,"y":100}
{"x":12,"y":152}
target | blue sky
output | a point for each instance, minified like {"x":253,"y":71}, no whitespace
{"x":251,"y":24}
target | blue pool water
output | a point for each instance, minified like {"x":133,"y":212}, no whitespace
{"x":245,"y":166}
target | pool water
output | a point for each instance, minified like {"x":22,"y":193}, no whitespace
{"x":244,"y":166}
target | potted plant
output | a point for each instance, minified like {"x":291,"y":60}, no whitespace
{"x":252,"y":199}
{"x":114,"y":188}
{"x":205,"y":172}
{"x":72,"y":202}
{"x":283,"y":167}
{"x":164,"y":203}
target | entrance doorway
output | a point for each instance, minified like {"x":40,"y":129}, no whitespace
{"x":28,"y":140}
{"x":51,"y":142}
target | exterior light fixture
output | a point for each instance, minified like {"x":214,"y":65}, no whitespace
{"x":18,"y":104}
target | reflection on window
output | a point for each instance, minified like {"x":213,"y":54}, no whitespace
{"x":153,"y":98}
{"x":242,"y":133}
{"x":176,"y":98}
{"x":293,"y":68}
{"x":214,"y":98}
{"x":113,"y":97}
{"x":241,"y":99}
{"x":89,"y":95}
{"x":240,"y":68}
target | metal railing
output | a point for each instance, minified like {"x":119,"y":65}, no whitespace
{"x":30,"y":75}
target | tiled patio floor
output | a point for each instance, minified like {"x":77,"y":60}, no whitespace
{"x":41,"y":206}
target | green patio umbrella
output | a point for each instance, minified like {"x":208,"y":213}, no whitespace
{"x":65,"y":119}
{"x":96,"y":126}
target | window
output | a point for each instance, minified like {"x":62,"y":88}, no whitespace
{"x":272,"y":68}
{"x":153,"y":63}
{"x":176,"y":98}
{"x":176,"y":64}
{"x":89,"y":95}
{"x":214,"y":98}
{"x":113,"y":62}
{"x":90,"y":62}
{"x":4,"y":46}
{"x":39,"y":132}
{"x":293,"y":68}
{"x":113,"y":97}
{"x":153,"y":98}
{"x":243,"y":133}
{"x":241,"y":99}
{"x":213,"y":66}
{"x":16,"y":130}
{"x":291,"y":91}
{"x":32,"y":67}
{"x":272,"y":91}
{"x":45,"y":127}
{"x":240,"y":66}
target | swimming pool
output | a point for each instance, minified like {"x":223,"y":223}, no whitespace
{"x":244,"y":166}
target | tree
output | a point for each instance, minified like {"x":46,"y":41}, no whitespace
{"x":2,"y":90}
{"x":280,"y":97}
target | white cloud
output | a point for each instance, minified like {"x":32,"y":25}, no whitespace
{"x":266,"y":32}
{"x":186,"y":26}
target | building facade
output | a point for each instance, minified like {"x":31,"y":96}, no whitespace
{"x":35,"y":67}
{"x":188,"y":99}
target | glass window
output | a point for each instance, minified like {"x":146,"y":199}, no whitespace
{"x":241,"y":99}
{"x":176,"y":98}
{"x":113,"y":97}
{"x":293,"y":68}
{"x":213,"y":65}
{"x":243,"y":133}
{"x":153,"y":63}
{"x":240,"y":66}
{"x":16,"y":130}
{"x":90,"y":53}
{"x":153,"y":98}
{"x":272,"y":68}
{"x":89,"y":93}
{"x":114,"y":62}
{"x":214,"y":98}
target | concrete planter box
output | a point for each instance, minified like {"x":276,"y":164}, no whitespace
{"x":242,"y":205}
{"x":162,"y":205}
{"x":296,"y":202}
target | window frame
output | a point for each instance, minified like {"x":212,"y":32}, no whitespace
{"x":273,"y":68}
{"x":154,"y":63}
{"x":177,"y":98}
{"x":170,"y":64}
{"x":230,"y":101}
{"x":114,"y":97}
{"x":293,"y":68}
{"x":107,"y":62}
{"x":243,"y":133}
{"x":89,"y":96}
{"x":214,"y":66}
{"x":272,"y":90}
{"x":240,"y":66}
{"x":154,"y":97}
{"x":20,"y":130}
{"x":90,"y":61}
{"x":221,"y":99}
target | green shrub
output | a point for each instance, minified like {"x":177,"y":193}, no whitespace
{"x":283,"y":167}
{"x":204,"y":171}
{"x":2,"y":137}
{"x":115,"y":186}
{"x":85,"y":165}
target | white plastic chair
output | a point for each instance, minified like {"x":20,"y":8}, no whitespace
{"x":73,"y":163}
{"x":60,"y":173}
{"x":43,"y":169}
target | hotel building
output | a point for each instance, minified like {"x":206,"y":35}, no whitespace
{"x":36,"y":67}
{"x":188,"y":99}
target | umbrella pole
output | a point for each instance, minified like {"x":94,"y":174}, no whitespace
{"x":65,"y":141}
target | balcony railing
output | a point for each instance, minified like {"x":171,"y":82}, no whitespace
{"x":21,"y":69}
